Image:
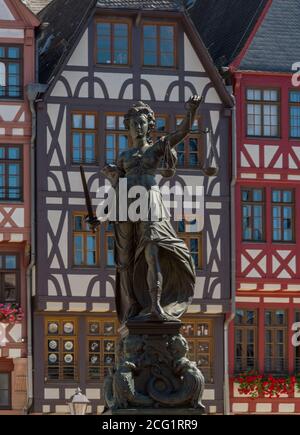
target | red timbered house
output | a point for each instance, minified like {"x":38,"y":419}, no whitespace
{"x":17,"y":70}
{"x":257,"y":51}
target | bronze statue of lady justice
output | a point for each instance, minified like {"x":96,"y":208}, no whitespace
{"x":155,"y":275}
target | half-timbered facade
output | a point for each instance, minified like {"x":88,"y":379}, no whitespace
{"x":17,"y":70}
{"x":267,"y":193}
{"x":104,"y":57}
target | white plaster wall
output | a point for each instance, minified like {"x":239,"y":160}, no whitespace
{"x":8,"y":112}
{"x":73,"y":78}
{"x":198,"y":82}
{"x":159,"y":84}
{"x":80,"y":54}
{"x":79,"y":284}
{"x":191,"y":60}
{"x":113,"y":82}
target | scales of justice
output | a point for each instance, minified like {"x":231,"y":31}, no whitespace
{"x":155,"y":279}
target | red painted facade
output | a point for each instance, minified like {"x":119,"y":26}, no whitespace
{"x":17,"y":32}
{"x":268,"y":272}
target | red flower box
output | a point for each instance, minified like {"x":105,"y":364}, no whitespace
{"x":265,"y":386}
{"x":11,"y":313}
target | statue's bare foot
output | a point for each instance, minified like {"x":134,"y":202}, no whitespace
{"x":157,"y":312}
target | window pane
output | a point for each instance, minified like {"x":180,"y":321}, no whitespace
{"x":10,"y":287}
{"x":150,"y":31}
{"x":257,"y":195}
{"x":150,"y":45}
{"x":268,"y":318}
{"x":160,"y":124}
{"x":90,"y":121}
{"x":13,"y":53}
{"x":120,"y":58}
{"x":4,"y":398}
{"x":150,"y":58}
{"x":280,"y":317}
{"x":167,"y":59}
{"x":276,"y":196}
{"x":77,"y":121}
{"x":13,"y":153}
{"x":270,"y":95}
{"x":287,"y":196}
{"x":78,"y":223}
{"x":121,"y":30}
{"x":10,"y":262}
{"x":103,"y":29}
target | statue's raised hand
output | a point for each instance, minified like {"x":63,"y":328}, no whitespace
{"x":193,"y":103}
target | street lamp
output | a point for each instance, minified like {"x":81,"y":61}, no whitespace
{"x":78,"y":403}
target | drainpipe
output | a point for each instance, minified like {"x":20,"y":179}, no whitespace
{"x":233,"y":262}
{"x":32,"y":91}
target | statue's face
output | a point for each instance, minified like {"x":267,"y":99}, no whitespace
{"x":138,"y":126}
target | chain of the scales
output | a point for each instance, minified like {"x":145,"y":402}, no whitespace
{"x":168,"y":162}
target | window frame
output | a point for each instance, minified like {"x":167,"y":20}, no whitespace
{"x":17,"y":273}
{"x":20,"y":61}
{"x":9,"y":390}
{"x":297,"y":348}
{"x":244,"y":327}
{"x":113,"y":21}
{"x":61,"y":337}
{"x":293,"y":104}
{"x":274,"y":328}
{"x":253,"y":203}
{"x":158,"y":52}
{"x":195,"y":339}
{"x":101,"y":336}
{"x":282,"y":205}
{"x":201,"y":145}
{"x":84,"y":233}
{"x":85,"y":131}
{"x":156,"y":134}
{"x":261,"y":103}
{"x":6,"y":161}
{"x":117,"y":133}
{"x":108,"y":233}
{"x":186,"y":237}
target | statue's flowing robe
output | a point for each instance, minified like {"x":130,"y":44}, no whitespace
{"x":176,"y":263}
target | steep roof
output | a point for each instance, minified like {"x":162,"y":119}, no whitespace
{"x":57,"y":35}
{"x":65,"y":19}
{"x":276,"y":44}
{"x":61,"y":24}
{"x":36,"y":5}
{"x":225,"y":25}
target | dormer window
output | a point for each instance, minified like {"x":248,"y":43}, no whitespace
{"x":10,"y":71}
{"x":159,"y":45}
{"x":112,"y":39}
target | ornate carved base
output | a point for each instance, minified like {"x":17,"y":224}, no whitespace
{"x":153,"y":371}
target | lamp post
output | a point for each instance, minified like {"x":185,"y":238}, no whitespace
{"x":78,"y":403}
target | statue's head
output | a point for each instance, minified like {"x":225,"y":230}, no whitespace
{"x":179,"y":346}
{"x":140,"y":121}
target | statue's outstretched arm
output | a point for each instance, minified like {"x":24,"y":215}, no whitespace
{"x":186,"y":125}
